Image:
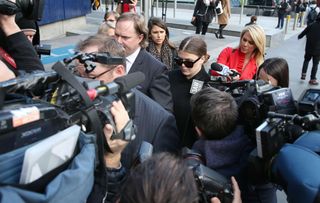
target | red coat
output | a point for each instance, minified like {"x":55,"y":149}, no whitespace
{"x":234,"y":59}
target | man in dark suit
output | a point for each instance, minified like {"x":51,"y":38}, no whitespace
{"x":154,"y":124}
{"x":131,"y":32}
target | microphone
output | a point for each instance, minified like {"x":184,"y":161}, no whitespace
{"x":222,"y":69}
{"x":129,"y":81}
{"x":120,"y":85}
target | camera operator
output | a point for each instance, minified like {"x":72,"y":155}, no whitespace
{"x":150,"y":182}
{"x":17,"y":53}
{"x":224,"y":144}
{"x":154,"y":124}
{"x":115,"y":172}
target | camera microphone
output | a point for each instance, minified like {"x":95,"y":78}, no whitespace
{"x":222,"y":70}
{"x":122,"y":85}
{"x":129,"y":81}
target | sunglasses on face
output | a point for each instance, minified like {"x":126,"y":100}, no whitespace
{"x":189,"y":64}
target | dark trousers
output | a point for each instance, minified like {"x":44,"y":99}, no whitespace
{"x":202,"y":26}
{"x":315,"y":63}
{"x":280,"y":20}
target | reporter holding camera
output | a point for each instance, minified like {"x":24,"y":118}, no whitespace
{"x":115,"y":172}
{"x":17,"y":53}
{"x":223,"y":143}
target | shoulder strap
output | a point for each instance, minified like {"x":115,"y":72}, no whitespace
{"x":90,"y":110}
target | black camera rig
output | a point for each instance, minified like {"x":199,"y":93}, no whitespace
{"x":279,"y":129}
{"x":209,"y":182}
{"x":60,"y":98}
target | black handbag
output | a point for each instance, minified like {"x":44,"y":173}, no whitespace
{"x":194,"y":22}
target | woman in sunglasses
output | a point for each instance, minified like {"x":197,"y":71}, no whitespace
{"x":249,"y":55}
{"x":186,"y":81}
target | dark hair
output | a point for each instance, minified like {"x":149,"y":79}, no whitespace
{"x":214,"y":112}
{"x":163,"y":178}
{"x":194,"y":45}
{"x":154,"y":21}
{"x":138,"y":24}
{"x":105,"y":44}
{"x":277,"y":68}
{"x":253,"y":19}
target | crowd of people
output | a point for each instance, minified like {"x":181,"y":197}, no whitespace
{"x":174,"y":106}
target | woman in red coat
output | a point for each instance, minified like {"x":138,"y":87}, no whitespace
{"x":248,"y":55}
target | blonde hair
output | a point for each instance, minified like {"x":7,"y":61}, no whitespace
{"x":105,"y":27}
{"x":259,"y":38}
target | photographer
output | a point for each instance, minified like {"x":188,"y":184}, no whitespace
{"x":154,"y":124}
{"x":223,"y":143}
{"x":150,"y":182}
{"x":115,"y":172}
{"x":17,"y":53}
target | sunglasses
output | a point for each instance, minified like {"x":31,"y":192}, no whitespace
{"x":189,"y":64}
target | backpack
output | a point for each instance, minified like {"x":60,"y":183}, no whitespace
{"x":312,"y":15}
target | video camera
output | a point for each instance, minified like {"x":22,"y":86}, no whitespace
{"x":279,"y":129}
{"x":255,"y":98}
{"x":60,"y":97}
{"x":209,"y":182}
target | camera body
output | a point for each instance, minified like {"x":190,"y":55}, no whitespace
{"x":254,"y":106}
{"x":43,"y":49}
{"x":209,"y":182}
{"x":279,"y":129}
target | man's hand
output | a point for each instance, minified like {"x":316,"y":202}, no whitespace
{"x":121,"y":118}
{"x":8,"y":23}
{"x":236,"y":193}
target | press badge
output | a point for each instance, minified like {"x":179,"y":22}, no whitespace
{"x":196,"y":86}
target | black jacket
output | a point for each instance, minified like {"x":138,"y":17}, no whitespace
{"x":180,"y":88}
{"x":312,"y":33}
{"x":23,"y":53}
{"x":203,"y":12}
{"x":156,"y":84}
{"x":154,"y":125}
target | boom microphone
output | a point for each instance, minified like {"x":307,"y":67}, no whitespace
{"x":129,"y":81}
{"x":122,"y":85}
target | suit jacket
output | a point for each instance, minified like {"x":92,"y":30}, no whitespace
{"x":154,"y":125}
{"x":156,"y":84}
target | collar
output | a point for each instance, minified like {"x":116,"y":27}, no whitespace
{"x":132,"y":57}
{"x":201,"y":75}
